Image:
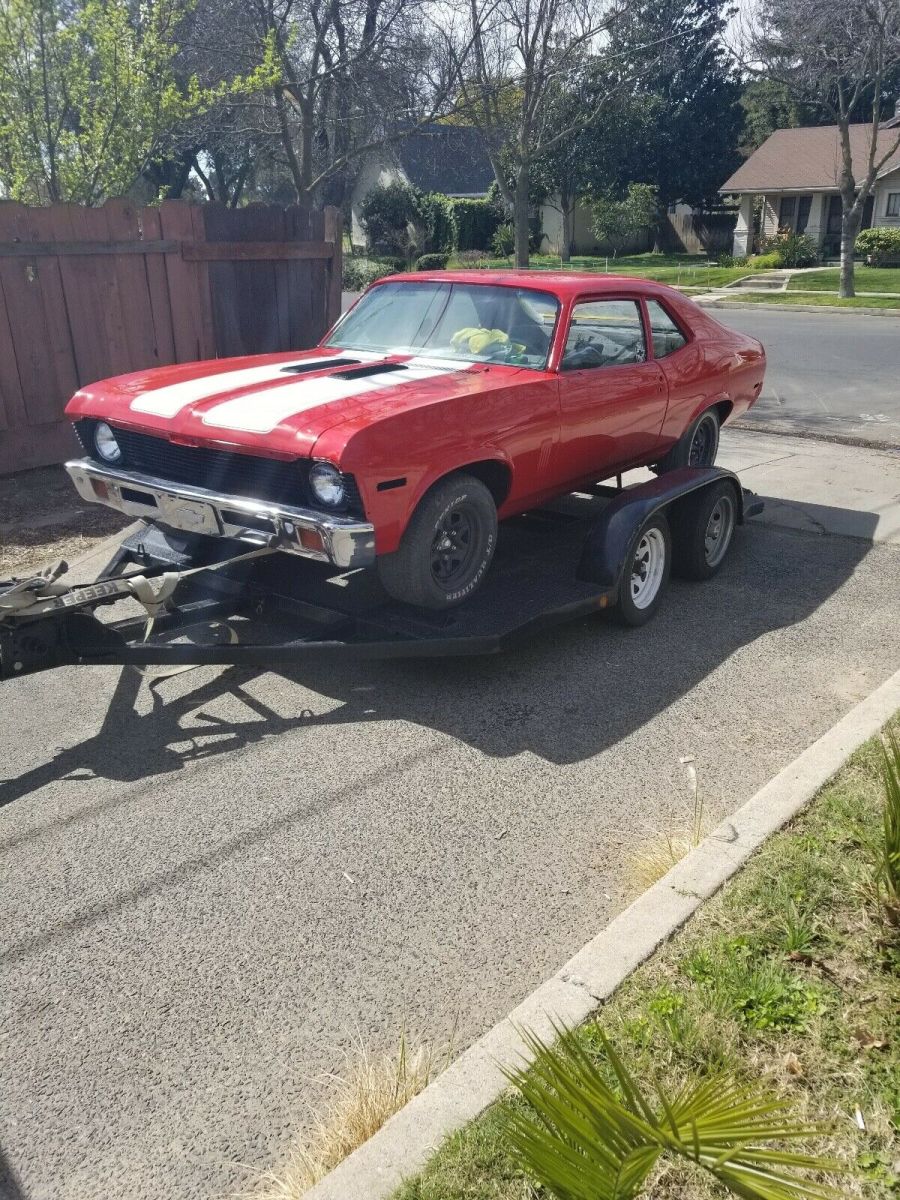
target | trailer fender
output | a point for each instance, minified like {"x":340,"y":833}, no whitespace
{"x":609,"y":544}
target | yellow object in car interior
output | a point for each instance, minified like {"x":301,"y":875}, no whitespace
{"x":479,"y":339}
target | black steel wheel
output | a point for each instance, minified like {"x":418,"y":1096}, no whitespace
{"x":697,"y":448}
{"x":447,"y":547}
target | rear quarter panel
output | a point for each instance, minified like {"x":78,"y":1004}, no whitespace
{"x":718,"y":365}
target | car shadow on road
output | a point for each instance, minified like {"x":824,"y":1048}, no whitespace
{"x":565,"y":697}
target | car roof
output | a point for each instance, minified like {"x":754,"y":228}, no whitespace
{"x":563,"y":284}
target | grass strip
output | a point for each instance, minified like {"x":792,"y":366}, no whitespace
{"x":865,"y":279}
{"x":818,"y":299}
{"x":790,"y":976}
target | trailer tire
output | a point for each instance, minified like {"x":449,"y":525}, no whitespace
{"x":447,"y":547}
{"x":703,"y":527}
{"x":646,"y":572}
{"x":696,"y":448}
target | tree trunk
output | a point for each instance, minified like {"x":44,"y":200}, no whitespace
{"x":567,"y":203}
{"x":850,"y":222}
{"x":520,"y":215}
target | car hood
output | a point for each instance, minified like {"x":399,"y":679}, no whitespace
{"x":279,"y":404}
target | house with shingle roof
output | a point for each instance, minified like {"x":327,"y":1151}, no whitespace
{"x":450,"y":159}
{"x":796,"y":173}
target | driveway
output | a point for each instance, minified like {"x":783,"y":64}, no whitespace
{"x":829,"y":374}
{"x":213,"y":884}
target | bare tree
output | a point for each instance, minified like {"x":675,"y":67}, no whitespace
{"x":522,"y":56}
{"x":838,"y":57}
{"x":344,"y":77}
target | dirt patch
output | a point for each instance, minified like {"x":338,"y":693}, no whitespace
{"x":42,"y":518}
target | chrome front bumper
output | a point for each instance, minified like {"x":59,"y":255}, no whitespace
{"x":344,"y":541}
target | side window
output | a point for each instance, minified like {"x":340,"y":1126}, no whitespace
{"x":604,"y":333}
{"x":667,"y":337}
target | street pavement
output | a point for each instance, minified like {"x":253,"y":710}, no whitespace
{"x":214,"y":884}
{"x":830,"y":375}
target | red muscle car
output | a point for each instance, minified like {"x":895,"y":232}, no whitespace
{"x":439,"y":404}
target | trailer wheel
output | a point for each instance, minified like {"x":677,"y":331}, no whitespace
{"x":703,"y":528}
{"x":447,"y":547}
{"x":646,"y":574}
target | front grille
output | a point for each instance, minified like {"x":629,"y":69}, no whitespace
{"x":218,"y":470}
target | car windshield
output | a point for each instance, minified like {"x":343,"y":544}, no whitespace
{"x":470,"y":321}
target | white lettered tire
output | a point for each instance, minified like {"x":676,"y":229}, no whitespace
{"x":447,"y":547}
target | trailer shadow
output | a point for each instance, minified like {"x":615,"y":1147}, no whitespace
{"x":568,"y":696}
{"x":587,"y":686}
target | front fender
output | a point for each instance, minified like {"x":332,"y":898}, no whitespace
{"x":608,"y":546}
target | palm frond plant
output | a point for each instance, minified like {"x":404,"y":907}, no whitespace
{"x":888,"y":863}
{"x":582,"y":1139}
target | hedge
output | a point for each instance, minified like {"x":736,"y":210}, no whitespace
{"x":432,"y":262}
{"x":880,"y":246}
{"x":476,"y":223}
{"x":439,"y":219}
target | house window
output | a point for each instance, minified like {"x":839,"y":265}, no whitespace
{"x":786,"y":212}
{"x":893,"y":204}
{"x":803,"y":213}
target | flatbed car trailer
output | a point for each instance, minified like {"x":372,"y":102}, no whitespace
{"x":552,"y":565}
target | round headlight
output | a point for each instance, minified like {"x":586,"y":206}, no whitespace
{"x":327,"y":484}
{"x":105,"y":443}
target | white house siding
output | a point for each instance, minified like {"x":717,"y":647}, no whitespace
{"x":883,"y":188}
{"x":373,"y":172}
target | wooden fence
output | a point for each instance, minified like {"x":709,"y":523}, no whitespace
{"x":701,"y":233}
{"x":90,"y":292}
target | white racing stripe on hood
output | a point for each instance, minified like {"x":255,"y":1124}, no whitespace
{"x":260,"y":412}
{"x":168,"y":401}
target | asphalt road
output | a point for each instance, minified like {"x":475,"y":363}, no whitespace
{"x":830,"y":375}
{"x":212,"y":884}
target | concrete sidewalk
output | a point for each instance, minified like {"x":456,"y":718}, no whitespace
{"x":819,"y":487}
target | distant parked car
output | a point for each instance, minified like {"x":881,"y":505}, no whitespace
{"x":438,"y":405}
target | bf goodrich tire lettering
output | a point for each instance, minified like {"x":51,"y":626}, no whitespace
{"x":458,"y":511}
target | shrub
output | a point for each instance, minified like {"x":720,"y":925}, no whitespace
{"x":358,"y":273}
{"x":504,"y":240}
{"x":438,"y":215}
{"x":880,"y":246}
{"x":793,"y":249}
{"x":731,"y":260}
{"x":432,"y":262}
{"x":764,"y":262}
{"x":389,"y":213}
{"x":476,"y":224}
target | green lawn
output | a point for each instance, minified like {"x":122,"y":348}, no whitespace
{"x":790,"y":977}
{"x":819,"y":299}
{"x":679,"y":270}
{"x":866,"y":279}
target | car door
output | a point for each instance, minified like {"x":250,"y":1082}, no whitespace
{"x":612,"y":395}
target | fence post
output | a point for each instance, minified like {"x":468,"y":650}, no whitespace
{"x":334,"y":232}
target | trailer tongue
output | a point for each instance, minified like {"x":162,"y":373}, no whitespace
{"x":552,"y":565}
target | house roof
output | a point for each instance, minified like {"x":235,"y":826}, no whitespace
{"x":807,"y":159}
{"x":446,"y":158}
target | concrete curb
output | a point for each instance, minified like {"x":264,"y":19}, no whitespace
{"x":404,"y":1144}
{"x":807,"y":308}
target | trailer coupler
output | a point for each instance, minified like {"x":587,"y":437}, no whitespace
{"x":46,"y":623}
